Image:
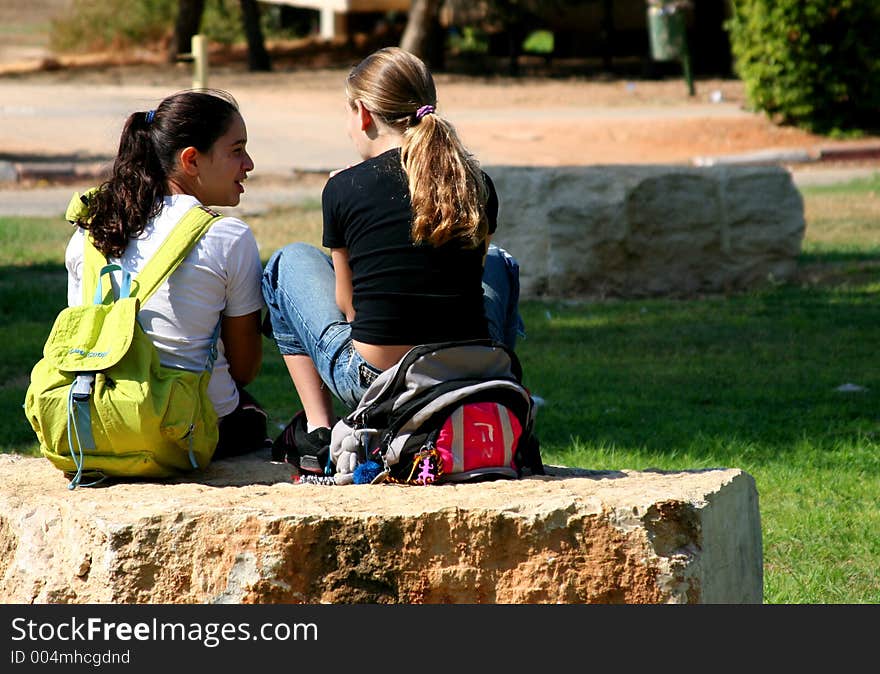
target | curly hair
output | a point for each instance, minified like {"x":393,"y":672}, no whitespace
{"x":121,"y":207}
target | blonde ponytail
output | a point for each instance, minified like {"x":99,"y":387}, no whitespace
{"x":446,"y":185}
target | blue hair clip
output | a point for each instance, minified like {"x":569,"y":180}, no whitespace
{"x":150,"y":115}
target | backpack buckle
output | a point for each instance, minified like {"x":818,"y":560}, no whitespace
{"x":82,"y":386}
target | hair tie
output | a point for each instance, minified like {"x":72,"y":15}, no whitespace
{"x":150,"y":115}
{"x":424,"y":110}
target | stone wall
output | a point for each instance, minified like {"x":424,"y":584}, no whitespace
{"x":244,"y":532}
{"x":645,"y":230}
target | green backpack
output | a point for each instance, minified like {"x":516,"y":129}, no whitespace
{"x":99,"y":401}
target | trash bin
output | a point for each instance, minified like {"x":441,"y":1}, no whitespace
{"x":668,"y":32}
{"x":666,"y":28}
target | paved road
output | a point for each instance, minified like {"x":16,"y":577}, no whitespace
{"x":296,"y":125}
{"x":85,"y":121}
{"x":51,"y":200}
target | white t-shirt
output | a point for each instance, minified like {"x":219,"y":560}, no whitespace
{"x":220,"y":276}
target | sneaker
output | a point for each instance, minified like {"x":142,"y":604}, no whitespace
{"x":310,"y":452}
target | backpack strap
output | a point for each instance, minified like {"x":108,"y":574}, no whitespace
{"x":171,"y":253}
{"x":174,"y":249}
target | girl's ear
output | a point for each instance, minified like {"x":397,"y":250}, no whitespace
{"x":364,"y":116}
{"x":189,"y":161}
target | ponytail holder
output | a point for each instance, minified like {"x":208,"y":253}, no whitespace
{"x":424,"y":110}
{"x":150,"y":115}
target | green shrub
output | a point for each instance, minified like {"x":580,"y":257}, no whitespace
{"x":469,"y":39}
{"x":539,"y":42}
{"x":96,"y":25}
{"x":811,"y":63}
{"x":93,"y":25}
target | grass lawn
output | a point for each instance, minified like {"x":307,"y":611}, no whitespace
{"x":781,"y":382}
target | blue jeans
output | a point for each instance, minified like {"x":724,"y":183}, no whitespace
{"x":299,"y":287}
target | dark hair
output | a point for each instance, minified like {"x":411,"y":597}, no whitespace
{"x":447,"y":190}
{"x":120,"y":209}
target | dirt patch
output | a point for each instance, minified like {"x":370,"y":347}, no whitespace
{"x":625,"y":121}
{"x":705,"y":124}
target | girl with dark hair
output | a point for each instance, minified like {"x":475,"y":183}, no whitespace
{"x":190,"y":150}
{"x":410,"y":262}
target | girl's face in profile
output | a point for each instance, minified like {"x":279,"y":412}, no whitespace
{"x":224,"y":167}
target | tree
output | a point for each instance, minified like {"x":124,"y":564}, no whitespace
{"x":258,"y":57}
{"x":515,"y":16}
{"x":422,"y":35}
{"x":812,"y":64}
{"x":189,"y":18}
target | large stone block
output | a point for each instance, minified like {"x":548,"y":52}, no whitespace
{"x":243,"y":532}
{"x":645,"y":230}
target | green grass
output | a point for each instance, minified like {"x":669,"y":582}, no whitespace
{"x":747,"y":381}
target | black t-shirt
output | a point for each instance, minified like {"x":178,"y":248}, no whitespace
{"x":402,"y":293}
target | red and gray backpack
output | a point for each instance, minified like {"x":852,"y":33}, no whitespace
{"x":448,"y":412}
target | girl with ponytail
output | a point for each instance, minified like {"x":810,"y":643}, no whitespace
{"x":190,"y":150}
{"x":410,"y":261}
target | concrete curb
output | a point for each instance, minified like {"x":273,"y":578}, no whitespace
{"x":794,"y":156}
{"x":75,"y":170}
{"x":54,"y":172}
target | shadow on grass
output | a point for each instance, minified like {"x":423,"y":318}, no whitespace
{"x":714,"y":378}
{"x":30,"y":298}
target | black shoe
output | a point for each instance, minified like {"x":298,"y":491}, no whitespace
{"x":244,"y":429}
{"x":310,"y":452}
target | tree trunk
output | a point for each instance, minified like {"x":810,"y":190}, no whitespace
{"x":258,"y":57}
{"x":516,"y":33}
{"x":420,"y":35}
{"x":606,"y":34}
{"x":189,"y":18}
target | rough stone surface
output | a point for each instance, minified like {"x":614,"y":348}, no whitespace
{"x":648,"y":229}
{"x":244,"y":532}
